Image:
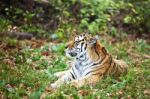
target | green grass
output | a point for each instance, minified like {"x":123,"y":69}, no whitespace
{"x":33,"y":71}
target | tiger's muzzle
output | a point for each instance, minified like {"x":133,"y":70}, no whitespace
{"x":70,"y":53}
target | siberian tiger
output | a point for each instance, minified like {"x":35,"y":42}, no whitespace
{"x":91,"y":62}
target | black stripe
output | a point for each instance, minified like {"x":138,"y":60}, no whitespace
{"x":74,"y":73}
{"x":104,"y":50}
{"x":116,"y":68}
{"x":94,"y":70}
{"x":98,"y":55}
{"x":113,"y":65}
{"x":88,"y":73}
{"x":97,"y":74}
{"x":96,"y":50}
{"x":80,"y":40}
{"x":110,"y":64}
{"x":82,"y":45}
{"x":85,"y":47}
{"x":98,"y":62}
{"x":72,"y":76}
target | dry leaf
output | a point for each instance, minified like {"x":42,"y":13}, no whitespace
{"x":147,"y":92}
{"x":84,"y":92}
{"x":9,"y":62}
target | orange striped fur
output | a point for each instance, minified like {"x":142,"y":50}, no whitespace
{"x":91,"y":63}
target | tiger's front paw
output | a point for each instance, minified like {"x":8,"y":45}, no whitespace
{"x":51,"y":87}
{"x":75,"y":84}
{"x":58,"y":74}
{"x":54,"y":86}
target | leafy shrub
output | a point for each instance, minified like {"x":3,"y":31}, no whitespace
{"x":96,"y":16}
{"x":4,"y":24}
{"x":132,"y":16}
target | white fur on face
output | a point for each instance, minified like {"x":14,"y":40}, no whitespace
{"x":79,"y":38}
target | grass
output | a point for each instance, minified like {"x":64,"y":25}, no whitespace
{"x":25,"y":72}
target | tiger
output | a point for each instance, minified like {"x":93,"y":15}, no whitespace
{"x":91,"y":62}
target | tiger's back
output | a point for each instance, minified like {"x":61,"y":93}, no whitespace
{"x":116,"y":68}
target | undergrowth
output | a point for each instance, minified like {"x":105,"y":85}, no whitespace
{"x":25,"y":72}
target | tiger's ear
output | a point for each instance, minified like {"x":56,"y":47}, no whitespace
{"x":87,"y":33}
{"x":73,"y":34}
{"x":93,"y":40}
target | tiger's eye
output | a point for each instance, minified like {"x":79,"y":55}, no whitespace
{"x":76,"y":44}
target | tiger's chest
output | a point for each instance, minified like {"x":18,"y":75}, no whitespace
{"x":81,"y":68}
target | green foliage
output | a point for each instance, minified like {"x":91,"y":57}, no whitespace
{"x":18,"y":13}
{"x":90,"y":15}
{"x":96,"y":16}
{"x":59,"y":34}
{"x":4,"y":24}
{"x":30,"y":77}
{"x":141,"y":46}
{"x":36,"y":30}
{"x":138,"y":15}
{"x":59,"y":48}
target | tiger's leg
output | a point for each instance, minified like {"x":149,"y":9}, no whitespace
{"x":88,"y":80}
{"x":61,"y":73}
{"x":62,"y":80}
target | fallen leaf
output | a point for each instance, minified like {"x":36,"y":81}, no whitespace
{"x":2,"y":95}
{"x":147,"y":92}
{"x":84,"y":92}
{"x":46,"y":53}
{"x":9,"y":62}
{"x":10,"y":88}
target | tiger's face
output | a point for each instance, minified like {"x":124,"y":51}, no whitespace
{"x":79,"y":45}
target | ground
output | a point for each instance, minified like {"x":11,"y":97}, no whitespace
{"x":27,"y":67}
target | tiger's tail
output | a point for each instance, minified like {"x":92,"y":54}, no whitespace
{"x":121,"y":67}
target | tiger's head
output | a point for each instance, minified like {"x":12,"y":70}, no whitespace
{"x":80,"y":44}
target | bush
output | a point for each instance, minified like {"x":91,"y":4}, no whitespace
{"x":95,"y":16}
